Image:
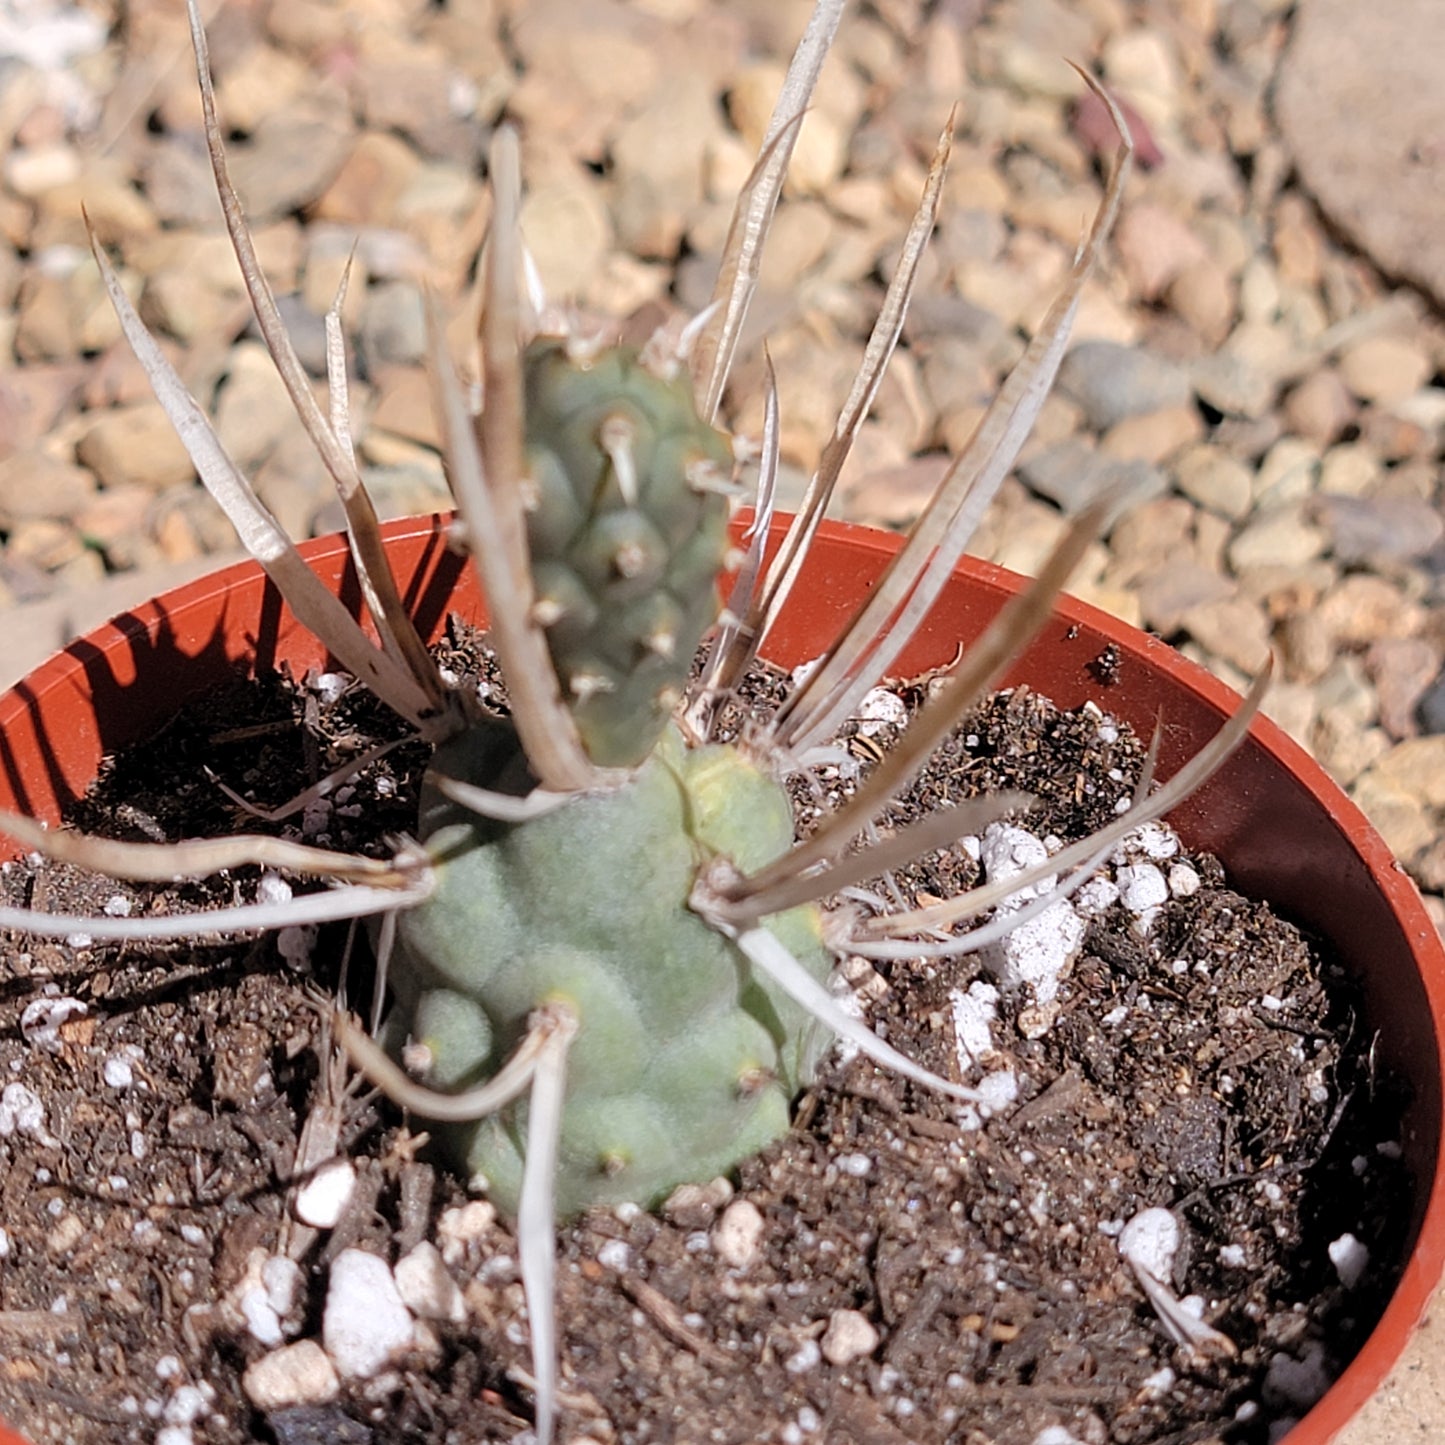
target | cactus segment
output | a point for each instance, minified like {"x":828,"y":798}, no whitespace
{"x":625,"y":539}
{"x":685,"y":1060}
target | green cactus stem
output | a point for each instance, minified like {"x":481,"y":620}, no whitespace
{"x":627,"y":526}
{"x":685,"y":1060}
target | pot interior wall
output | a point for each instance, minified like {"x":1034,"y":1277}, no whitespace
{"x":1283,"y":829}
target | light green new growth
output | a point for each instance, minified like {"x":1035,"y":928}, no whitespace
{"x":627,"y":526}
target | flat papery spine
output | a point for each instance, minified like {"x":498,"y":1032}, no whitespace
{"x":486,"y":468}
{"x":203,"y":857}
{"x":1003,"y":640}
{"x":1191,"y":777}
{"x":508,"y":1083}
{"x":329,"y":906}
{"x":737,"y":650}
{"x":262,"y":536}
{"x":911,"y":583}
{"x":383,"y":599}
{"x":752,"y":218}
{"x":770,"y":956}
{"x":537,"y":1210}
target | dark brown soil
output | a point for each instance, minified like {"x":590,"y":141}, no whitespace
{"x":1216,"y":1067}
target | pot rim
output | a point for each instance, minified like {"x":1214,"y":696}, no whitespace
{"x":71,"y":676}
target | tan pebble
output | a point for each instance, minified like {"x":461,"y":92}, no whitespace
{"x":177,"y":537}
{"x":1365,"y":607}
{"x":252,"y":407}
{"x":32,"y":171}
{"x":850,"y":1336}
{"x":135,"y":444}
{"x":47,"y":543}
{"x":1215,"y":479}
{"x":115,"y":521}
{"x":1320,"y":407}
{"x":65,"y":313}
{"x":299,"y":1374}
{"x":1286,"y":472}
{"x":1293,"y":707}
{"x":1155,"y":246}
{"x":1307,"y":646}
{"x":1298,"y":244}
{"x":1402,"y":669}
{"x":1169,"y":594}
{"x":68,"y":1231}
{"x":1415,"y":767}
{"x":1279,"y":537}
{"x":370,"y":182}
{"x":1234,"y":629}
{"x":183,"y":305}
{"x":568,"y":231}
{"x":737,"y":1236}
{"x":261,"y":81}
{"x":1385,"y":368}
{"x":1403,"y":820}
{"x":1204,"y":295}
{"x":1143,"y":65}
{"x":1392,"y":438}
{"x":35,"y":484}
{"x":1153,"y":437}
{"x":403,"y":405}
{"x":1429,"y":871}
{"x":1346,"y":749}
{"x":1348,"y":470}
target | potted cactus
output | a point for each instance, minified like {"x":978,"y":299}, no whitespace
{"x":606,"y":954}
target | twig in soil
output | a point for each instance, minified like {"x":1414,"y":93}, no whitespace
{"x":666,"y":1316}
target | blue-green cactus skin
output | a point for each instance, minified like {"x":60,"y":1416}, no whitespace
{"x":685,"y":1061}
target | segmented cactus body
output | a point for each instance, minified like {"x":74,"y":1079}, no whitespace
{"x":627,"y":530}
{"x":684,"y":1062}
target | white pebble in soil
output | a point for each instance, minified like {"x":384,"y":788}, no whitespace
{"x":1150,"y":1240}
{"x":973,"y":1015}
{"x":737,"y":1236}
{"x":426,"y":1288}
{"x":300,"y":1374}
{"x":1143,"y":890}
{"x":322,"y":1199}
{"x":1040,"y":950}
{"x":42,"y":1020}
{"x":365,"y":1325}
{"x":850,"y":1336}
{"x":881,"y":709}
{"x":1350,"y":1258}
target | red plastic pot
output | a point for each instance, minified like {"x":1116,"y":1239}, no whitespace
{"x":1282,"y":827}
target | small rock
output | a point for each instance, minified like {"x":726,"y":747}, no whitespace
{"x":1111,"y":381}
{"x":1167,"y":596}
{"x":1402,"y":819}
{"x":1153,"y":437}
{"x":850,"y":1336}
{"x":1277,"y":538}
{"x":1155,"y":246}
{"x":1215,"y":479}
{"x":1320,"y":407}
{"x":135,"y":445}
{"x":1234,"y":629}
{"x":568,"y":231}
{"x":365,"y":1325}
{"x":1348,"y":470}
{"x":1286,"y":473}
{"x":1385,"y":368}
{"x":299,"y":1374}
{"x":290,"y":160}
{"x":252,"y":408}
{"x":393,"y":325}
{"x":1415,"y":767}
{"x":1378,"y":531}
{"x":35,"y":484}
{"x":1232,"y":385}
{"x":1362,"y":607}
{"x":1205,"y":297}
{"x":737,"y":1237}
{"x":322,"y":1199}
{"x":426,"y":1288}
